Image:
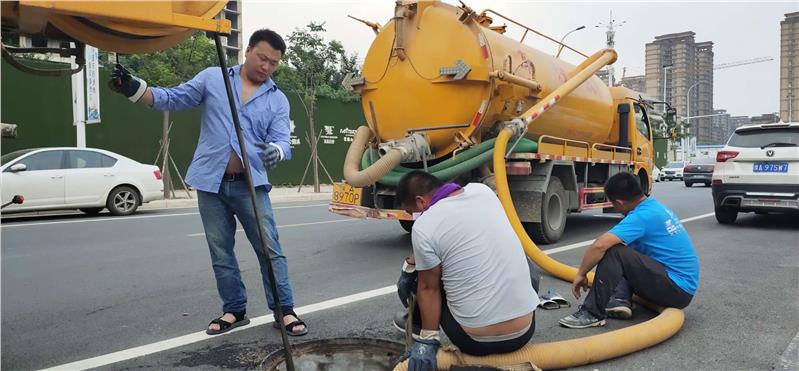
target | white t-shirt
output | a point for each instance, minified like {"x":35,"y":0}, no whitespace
{"x":483,"y":267}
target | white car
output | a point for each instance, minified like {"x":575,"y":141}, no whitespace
{"x":656,"y":174}
{"x":758,"y":170}
{"x":672,"y":170}
{"x":77,"y":178}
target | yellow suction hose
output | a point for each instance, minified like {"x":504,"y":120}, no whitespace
{"x":574,"y":352}
{"x":370,"y":175}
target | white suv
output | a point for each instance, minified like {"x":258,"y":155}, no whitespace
{"x":758,"y":170}
{"x":672,"y":170}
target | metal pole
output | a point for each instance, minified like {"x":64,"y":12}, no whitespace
{"x":560,"y":49}
{"x":256,"y":207}
{"x":165,"y":147}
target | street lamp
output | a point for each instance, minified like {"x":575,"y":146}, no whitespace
{"x":688,"y":113}
{"x":560,"y":49}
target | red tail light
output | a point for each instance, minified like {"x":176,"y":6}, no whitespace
{"x":716,"y":181}
{"x":723,"y":156}
{"x":157,"y":174}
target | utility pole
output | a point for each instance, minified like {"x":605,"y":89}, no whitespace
{"x":610,"y":34}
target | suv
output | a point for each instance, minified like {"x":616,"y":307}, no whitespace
{"x":758,"y":170}
{"x":672,"y":170}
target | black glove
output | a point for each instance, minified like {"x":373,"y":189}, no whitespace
{"x":422,"y":355}
{"x":406,"y":285}
{"x":270,"y":155}
{"x":126,"y":84}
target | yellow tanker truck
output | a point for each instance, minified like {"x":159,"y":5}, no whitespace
{"x":439,"y":83}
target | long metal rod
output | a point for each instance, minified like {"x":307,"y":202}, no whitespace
{"x":256,"y":207}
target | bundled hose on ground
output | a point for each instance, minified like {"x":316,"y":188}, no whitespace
{"x":464,"y":162}
{"x":371,"y":174}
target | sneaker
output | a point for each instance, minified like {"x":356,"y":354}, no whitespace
{"x":582,"y":318}
{"x":399,"y":322}
{"x":619,"y":308}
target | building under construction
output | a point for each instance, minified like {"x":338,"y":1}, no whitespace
{"x":789,"y":68}
{"x":677,"y":65}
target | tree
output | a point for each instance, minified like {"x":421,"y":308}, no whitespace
{"x":175,"y":65}
{"x":315,"y":68}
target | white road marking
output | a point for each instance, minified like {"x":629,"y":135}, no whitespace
{"x":123,"y":218}
{"x":143,"y":350}
{"x":290,"y":225}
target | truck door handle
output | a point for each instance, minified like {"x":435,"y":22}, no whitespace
{"x":638,"y":150}
{"x":56,"y":177}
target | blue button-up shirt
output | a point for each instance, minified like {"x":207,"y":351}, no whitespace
{"x":264,"y":119}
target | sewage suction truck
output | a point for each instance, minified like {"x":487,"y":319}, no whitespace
{"x":438,"y":84}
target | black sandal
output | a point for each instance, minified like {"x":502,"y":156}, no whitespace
{"x":225,"y":326}
{"x":291,"y":325}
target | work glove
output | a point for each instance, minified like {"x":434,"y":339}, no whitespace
{"x":422,"y":355}
{"x":406,"y":285}
{"x":126,"y":84}
{"x":269,"y":154}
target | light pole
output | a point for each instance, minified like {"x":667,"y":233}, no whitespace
{"x":560,"y":49}
{"x":688,"y":112}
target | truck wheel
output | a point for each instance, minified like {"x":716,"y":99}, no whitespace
{"x":725,"y":215}
{"x":407,"y":225}
{"x":553,"y":215}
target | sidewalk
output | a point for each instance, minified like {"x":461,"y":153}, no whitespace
{"x":277,"y":195}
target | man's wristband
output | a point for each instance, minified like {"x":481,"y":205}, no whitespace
{"x":429,"y":335}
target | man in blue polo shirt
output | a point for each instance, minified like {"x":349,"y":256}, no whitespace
{"x":648,"y":254}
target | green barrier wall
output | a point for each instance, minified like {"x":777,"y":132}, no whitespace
{"x":41,"y":107}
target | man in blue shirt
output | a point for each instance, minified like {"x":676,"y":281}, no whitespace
{"x":217,"y":172}
{"x":648,"y":254}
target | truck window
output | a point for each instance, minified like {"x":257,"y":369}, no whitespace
{"x":641,"y":122}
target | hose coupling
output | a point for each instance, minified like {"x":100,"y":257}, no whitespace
{"x":517,"y":127}
{"x":414,"y":147}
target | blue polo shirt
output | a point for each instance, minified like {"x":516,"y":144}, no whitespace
{"x":655,"y":231}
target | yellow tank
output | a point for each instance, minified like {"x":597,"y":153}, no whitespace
{"x":404,"y":82}
{"x":120,"y":26}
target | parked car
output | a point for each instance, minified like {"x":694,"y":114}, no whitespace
{"x":700,"y":170}
{"x":78,"y":178}
{"x":672,"y":170}
{"x":656,"y":174}
{"x":758,"y":170}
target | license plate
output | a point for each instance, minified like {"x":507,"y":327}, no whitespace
{"x":346,"y":194}
{"x":770,"y":167}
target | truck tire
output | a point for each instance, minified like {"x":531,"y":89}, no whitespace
{"x":553,"y":214}
{"x":407,"y":225}
{"x":725,"y":215}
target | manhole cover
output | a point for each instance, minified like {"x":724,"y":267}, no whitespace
{"x":340,"y":354}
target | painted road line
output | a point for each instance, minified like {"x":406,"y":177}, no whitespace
{"x":124,"y":355}
{"x":144,"y":350}
{"x":289,"y":225}
{"x":123,"y":218}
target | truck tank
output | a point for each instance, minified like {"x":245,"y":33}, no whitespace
{"x":432,"y":66}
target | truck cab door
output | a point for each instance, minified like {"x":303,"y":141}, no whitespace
{"x":643,"y":150}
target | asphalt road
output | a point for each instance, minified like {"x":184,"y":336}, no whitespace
{"x":77,"y":288}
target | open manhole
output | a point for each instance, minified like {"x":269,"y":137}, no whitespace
{"x":340,"y":354}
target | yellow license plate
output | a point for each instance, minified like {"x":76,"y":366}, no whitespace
{"x":346,"y":194}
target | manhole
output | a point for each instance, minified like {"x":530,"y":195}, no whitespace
{"x":340,"y":354}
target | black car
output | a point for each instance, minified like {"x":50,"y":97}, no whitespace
{"x":700,"y":170}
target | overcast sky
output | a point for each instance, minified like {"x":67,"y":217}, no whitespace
{"x":739,"y":31}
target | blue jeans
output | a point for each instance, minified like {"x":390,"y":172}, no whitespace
{"x":217,"y":211}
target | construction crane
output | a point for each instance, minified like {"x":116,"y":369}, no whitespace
{"x":741,"y":63}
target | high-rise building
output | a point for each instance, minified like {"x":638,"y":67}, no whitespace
{"x":604,"y":76}
{"x":234,"y":47}
{"x":722,"y":127}
{"x":676,"y":65}
{"x":738,"y":121}
{"x":789,"y":68}
{"x":637,"y":83}
{"x":766,"y":118}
